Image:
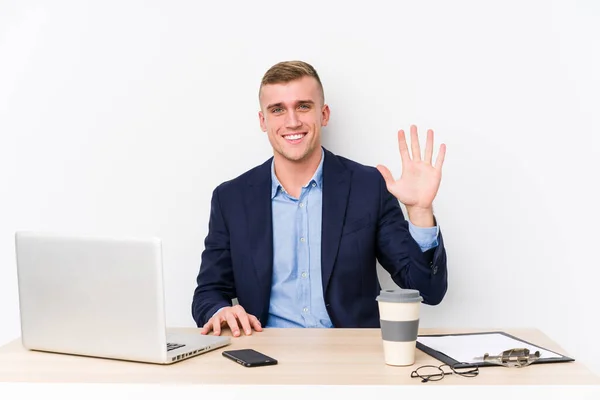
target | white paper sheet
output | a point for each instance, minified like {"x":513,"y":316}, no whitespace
{"x":465,"y":348}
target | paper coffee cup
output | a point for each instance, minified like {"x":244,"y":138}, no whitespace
{"x":399,"y":316}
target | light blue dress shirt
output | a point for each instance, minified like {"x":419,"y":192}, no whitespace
{"x":296,"y":290}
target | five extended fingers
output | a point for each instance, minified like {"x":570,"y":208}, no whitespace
{"x":416,"y":148}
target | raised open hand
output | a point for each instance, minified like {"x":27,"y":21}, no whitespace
{"x":420,"y":179}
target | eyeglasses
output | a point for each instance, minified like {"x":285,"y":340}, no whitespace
{"x":432,"y":373}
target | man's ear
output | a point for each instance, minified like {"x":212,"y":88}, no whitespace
{"x":325,"y":112}
{"x":261,"y":119}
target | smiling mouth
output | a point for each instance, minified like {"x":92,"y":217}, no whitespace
{"x":294,"y":138}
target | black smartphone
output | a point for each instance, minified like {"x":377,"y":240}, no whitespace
{"x":249,"y":357}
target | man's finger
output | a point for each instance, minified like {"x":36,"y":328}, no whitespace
{"x":255,"y":323}
{"x":414,"y":144}
{"x":429,"y":147}
{"x":403,"y":147}
{"x":440,"y":158}
{"x":231,"y":321}
{"x":243,"y":318}
{"x":216,"y":323}
{"x":387,"y":175}
{"x":206,"y":328}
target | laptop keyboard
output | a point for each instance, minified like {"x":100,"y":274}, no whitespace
{"x":173,"y":346}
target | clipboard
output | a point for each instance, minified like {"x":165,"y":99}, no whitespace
{"x":450,"y":361}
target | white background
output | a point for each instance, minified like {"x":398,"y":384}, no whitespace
{"x":120,"y":118}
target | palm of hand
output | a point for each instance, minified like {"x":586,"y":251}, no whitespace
{"x":420,"y":180}
{"x":417,"y":186}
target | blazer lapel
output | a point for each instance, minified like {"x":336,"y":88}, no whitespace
{"x":260,"y":231}
{"x":336,"y":186}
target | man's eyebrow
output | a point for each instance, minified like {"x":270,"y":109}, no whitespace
{"x":298,"y":102}
{"x":274,"y":105}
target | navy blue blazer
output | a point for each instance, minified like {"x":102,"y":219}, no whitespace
{"x":362,"y":223}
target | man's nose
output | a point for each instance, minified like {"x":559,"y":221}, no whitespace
{"x":292,"y":120}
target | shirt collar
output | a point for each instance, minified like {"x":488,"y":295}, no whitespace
{"x":317,"y":178}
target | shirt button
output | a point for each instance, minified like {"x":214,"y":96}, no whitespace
{"x":302,"y":240}
{"x":314,"y":184}
{"x":301,"y":204}
{"x":304,"y":274}
{"x":305,"y":309}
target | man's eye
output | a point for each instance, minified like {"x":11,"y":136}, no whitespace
{"x":304,"y":106}
{"x":276,"y":110}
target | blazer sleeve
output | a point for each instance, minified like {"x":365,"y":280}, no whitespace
{"x":215,"y":283}
{"x":400,"y":255}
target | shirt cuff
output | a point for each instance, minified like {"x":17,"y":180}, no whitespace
{"x":426,"y":238}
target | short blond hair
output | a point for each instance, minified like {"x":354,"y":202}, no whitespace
{"x":287,"y":71}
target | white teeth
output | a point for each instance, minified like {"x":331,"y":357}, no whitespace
{"x":294,"y":137}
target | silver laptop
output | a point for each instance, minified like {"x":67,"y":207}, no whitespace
{"x":99,"y":297}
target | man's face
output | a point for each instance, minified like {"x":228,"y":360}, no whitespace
{"x":292,"y":114}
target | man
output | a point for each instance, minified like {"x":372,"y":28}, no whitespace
{"x":297,"y":238}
